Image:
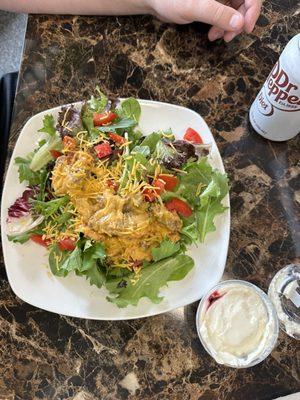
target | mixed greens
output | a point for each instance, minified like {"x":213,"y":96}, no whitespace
{"x":112,"y":205}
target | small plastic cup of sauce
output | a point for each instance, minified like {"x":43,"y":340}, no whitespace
{"x":237,"y":324}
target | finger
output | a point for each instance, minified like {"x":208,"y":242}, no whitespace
{"x":221,"y":16}
{"x":228,"y":36}
{"x":215,"y":33}
{"x":253,"y":8}
{"x":234,"y":3}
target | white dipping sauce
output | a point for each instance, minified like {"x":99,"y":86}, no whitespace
{"x":235,"y":325}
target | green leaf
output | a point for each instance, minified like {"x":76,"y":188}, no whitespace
{"x":199,"y":172}
{"x":151,"y":141}
{"x":57,"y":257}
{"x":165,"y":250}
{"x":205,"y":217}
{"x":96,"y":276}
{"x":134,"y":137}
{"x":22,"y":238}
{"x":26,"y":174}
{"x":44,"y":174}
{"x":190,"y":233}
{"x":48,"y":125}
{"x":124,"y":123}
{"x":48,"y":208}
{"x":98,"y":104}
{"x":165,"y":154}
{"x":43,"y":155}
{"x":218,"y":187}
{"x":131,"y":108}
{"x":152,"y":278}
{"x":144,"y":150}
{"x":91,"y":253}
{"x":73,"y":261}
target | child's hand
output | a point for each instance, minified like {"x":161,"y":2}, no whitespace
{"x":227,"y":20}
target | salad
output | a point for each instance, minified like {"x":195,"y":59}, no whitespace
{"x":112,"y":205}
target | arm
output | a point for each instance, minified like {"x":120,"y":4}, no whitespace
{"x":227,"y":20}
{"x":77,"y":7}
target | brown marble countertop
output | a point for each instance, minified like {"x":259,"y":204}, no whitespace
{"x":48,"y":356}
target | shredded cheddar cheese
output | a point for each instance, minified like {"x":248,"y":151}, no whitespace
{"x":127,"y":225}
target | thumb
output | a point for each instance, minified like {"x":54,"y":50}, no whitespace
{"x":214,"y":13}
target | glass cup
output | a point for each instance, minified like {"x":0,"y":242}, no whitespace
{"x":243,"y":362}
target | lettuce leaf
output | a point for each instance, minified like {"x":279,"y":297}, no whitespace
{"x":74,"y":261}
{"x":92,"y":253}
{"x":124,"y":123}
{"x":48,"y":208}
{"x":68,"y":121}
{"x":57,"y":258}
{"x":26,"y":174}
{"x":96,"y":276}
{"x":99,"y":103}
{"x":151,"y":141}
{"x":42,"y":156}
{"x":131,"y":109}
{"x":152,"y":278}
{"x":144,"y":150}
{"x":83,"y":260}
{"x":48,"y":125}
{"x":205,"y":217}
{"x":165,"y":250}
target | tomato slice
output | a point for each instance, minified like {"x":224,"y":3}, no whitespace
{"x":69,"y":142}
{"x":103,"y":150}
{"x":171,"y":181}
{"x":112,"y":184}
{"x":103,"y":118}
{"x":55,"y":153}
{"x":116,"y":138}
{"x":149,"y":195}
{"x":192,"y":136}
{"x":67,"y":244}
{"x":159,"y":185}
{"x":39,"y":240}
{"x":179,"y":206}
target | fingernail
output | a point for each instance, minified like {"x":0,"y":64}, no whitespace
{"x":235,"y":21}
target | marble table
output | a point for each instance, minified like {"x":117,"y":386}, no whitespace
{"x":48,"y":356}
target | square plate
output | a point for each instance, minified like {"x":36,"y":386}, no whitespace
{"x":27,"y":265}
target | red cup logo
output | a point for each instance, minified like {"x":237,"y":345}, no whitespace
{"x":280,"y":92}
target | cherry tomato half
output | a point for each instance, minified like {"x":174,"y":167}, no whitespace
{"x":192,"y":136}
{"x":55,"y":153}
{"x":179,"y":206}
{"x":103,"y":118}
{"x":159,"y":185}
{"x":39,"y":240}
{"x":170,"y":181}
{"x":67,"y":244}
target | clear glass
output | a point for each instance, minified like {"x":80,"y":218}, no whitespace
{"x":284,"y":292}
{"x":272,"y":317}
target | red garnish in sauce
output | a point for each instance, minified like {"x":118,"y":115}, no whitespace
{"x":213,"y":297}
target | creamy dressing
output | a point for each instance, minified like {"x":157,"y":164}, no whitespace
{"x":235,"y":325}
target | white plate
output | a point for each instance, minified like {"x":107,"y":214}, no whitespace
{"x":26,"y":265}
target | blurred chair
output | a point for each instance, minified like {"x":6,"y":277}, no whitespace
{"x":8,"y":85}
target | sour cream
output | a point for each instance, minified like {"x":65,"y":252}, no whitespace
{"x":237,"y":324}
